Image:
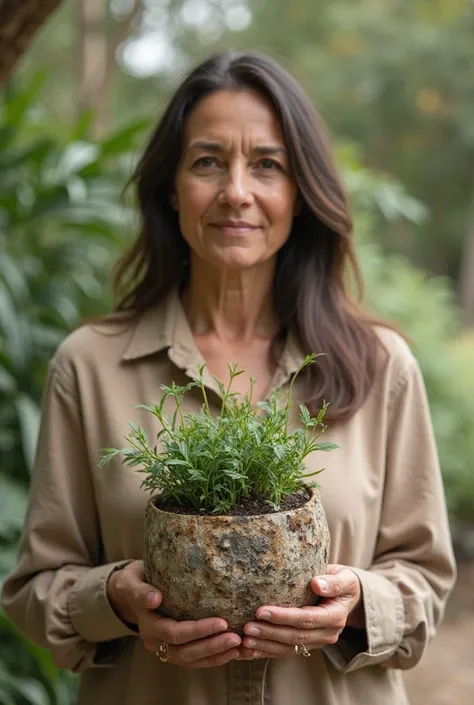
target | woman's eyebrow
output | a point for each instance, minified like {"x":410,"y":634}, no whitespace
{"x":266,"y":150}
{"x":270,"y":150}
{"x":206,"y":146}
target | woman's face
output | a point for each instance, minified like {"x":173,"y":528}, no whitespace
{"x":233,"y":190}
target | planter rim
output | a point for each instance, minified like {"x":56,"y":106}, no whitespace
{"x":312,"y":492}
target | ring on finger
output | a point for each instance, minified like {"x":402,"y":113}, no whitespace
{"x":162,"y":652}
{"x":300,"y":649}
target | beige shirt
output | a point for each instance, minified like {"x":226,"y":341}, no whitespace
{"x":381,"y":490}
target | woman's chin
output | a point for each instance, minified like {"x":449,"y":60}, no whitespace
{"x":236,"y":259}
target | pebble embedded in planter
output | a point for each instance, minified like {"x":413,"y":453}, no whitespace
{"x":227,"y":566}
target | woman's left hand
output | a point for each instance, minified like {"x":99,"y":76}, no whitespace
{"x":280,"y":629}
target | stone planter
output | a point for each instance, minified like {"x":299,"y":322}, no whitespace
{"x":227,"y":566}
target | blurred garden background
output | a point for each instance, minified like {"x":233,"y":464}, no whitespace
{"x":82,"y":81}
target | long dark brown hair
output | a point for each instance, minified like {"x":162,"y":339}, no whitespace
{"x":310,"y":293}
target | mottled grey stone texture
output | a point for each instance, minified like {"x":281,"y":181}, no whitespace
{"x":227,"y":566}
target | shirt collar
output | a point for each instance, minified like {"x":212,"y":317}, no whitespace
{"x":161,"y":326}
{"x":165,"y":326}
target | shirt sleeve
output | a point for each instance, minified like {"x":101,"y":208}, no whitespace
{"x":56,"y":594}
{"x":404,"y":591}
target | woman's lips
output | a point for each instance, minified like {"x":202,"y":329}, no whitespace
{"x":233,"y":228}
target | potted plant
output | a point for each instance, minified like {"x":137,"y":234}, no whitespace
{"x":233,"y":522}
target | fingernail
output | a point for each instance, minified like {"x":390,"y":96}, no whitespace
{"x":253,"y":631}
{"x":265,"y":615}
{"x":323,"y":585}
{"x":217,"y":627}
{"x":151,"y":597}
{"x":231,"y":642}
{"x":251,"y":643}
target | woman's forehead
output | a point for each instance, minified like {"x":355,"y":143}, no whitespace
{"x":225,"y":115}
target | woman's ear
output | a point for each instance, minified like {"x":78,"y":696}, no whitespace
{"x":174,"y":201}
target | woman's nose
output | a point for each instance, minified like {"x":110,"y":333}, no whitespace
{"x":236,"y":191}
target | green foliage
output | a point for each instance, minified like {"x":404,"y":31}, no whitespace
{"x":396,"y":78}
{"x":425,"y":310}
{"x":27,"y":673}
{"x":214,"y":463}
{"x":60,"y":229}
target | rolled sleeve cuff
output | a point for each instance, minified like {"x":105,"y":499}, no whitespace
{"x":384,"y":620}
{"x":90,"y":611}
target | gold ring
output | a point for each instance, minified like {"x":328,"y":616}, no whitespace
{"x":162,"y":652}
{"x":300,"y":649}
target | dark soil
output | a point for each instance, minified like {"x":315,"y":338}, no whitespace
{"x":251,"y":506}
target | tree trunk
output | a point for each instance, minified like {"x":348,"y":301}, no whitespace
{"x":97,"y":57}
{"x":19,"y":22}
{"x":117,"y":36}
{"x":466,"y":287}
{"x":92,"y":52}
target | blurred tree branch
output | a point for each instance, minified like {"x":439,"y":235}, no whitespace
{"x":97,"y":51}
{"x":19,"y":22}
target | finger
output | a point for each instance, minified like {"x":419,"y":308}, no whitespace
{"x":246,"y":654}
{"x":178,"y":633}
{"x":137,"y":568}
{"x":344,"y":583}
{"x":131,"y":585}
{"x":270,"y":649}
{"x":206,"y":648}
{"x":290,"y":637}
{"x":213,"y":661}
{"x":299,"y":618}
{"x":151,"y":644}
{"x":199,"y":650}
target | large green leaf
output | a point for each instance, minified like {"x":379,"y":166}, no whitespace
{"x":13,"y":276}
{"x":15,"y":109}
{"x":41,"y":657}
{"x":29,"y":690}
{"x":125,"y":139}
{"x":16,"y":339}
{"x":75,"y":157}
{"x":7,"y":382}
{"x":12,"y":507}
{"x":29,"y":417}
{"x":33,"y":153}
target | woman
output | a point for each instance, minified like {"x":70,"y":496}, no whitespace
{"x":242,"y":256}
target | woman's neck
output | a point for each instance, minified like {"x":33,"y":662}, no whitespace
{"x":235,"y":306}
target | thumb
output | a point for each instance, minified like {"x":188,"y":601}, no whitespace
{"x":154,"y":598}
{"x":326,"y":585}
{"x":146,"y":596}
{"x":137,"y":591}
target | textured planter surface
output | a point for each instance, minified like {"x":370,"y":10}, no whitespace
{"x":227,"y":566}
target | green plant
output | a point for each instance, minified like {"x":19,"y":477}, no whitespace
{"x":60,"y":230}
{"x":28,"y":674}
{"x":214,"y":463}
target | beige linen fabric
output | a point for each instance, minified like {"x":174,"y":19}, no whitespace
{"x":381,"y":490}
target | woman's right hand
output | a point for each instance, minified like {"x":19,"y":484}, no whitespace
{"x":202,"y":643}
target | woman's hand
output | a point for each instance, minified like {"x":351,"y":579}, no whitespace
{"x":315,"y":627}
{"x":191,"y":644}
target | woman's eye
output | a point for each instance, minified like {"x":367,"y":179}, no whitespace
{"x":268,"y":164}
{"x":205,"y":162}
